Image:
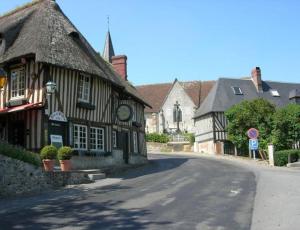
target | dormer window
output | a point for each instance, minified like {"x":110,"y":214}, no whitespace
{"x":274,"y":93}
{"x":74,"y":34}
{"x":237,"y":90}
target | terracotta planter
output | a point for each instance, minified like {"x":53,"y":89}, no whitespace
{"x":65,"y":165}
{"x":48,"y":165}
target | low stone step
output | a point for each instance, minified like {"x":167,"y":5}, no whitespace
{"x":294,"y":165}
{"x":96,"y":176}
{"x":91,"y":171}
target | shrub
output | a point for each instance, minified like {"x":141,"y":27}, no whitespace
{"x":49,"y":152}
{"x":190,"y":137}
{"x":19,"y":154}
{"x":281,"y":157}
{"x":65,"y":153}
{"x":156,"y":137}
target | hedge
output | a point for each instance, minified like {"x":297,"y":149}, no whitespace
{"x":281,"y":157}
{"x":19,"y":154}
{"x":156,"y":137}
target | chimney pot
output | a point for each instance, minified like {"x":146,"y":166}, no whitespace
{"x":256,"y":78}
{"x":120,"y":65}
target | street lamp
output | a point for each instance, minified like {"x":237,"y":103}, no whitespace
{"x":50,"y":87}
{"x":3,"y":78}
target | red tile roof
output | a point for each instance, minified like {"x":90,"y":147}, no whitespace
{"x":155,"y":94}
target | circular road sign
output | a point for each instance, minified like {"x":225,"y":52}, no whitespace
{"x":252,"y":133}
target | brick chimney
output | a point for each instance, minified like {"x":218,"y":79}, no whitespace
{"x":256,"y":78}
{"x":120,"y":65}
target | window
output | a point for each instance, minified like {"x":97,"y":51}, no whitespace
{"x":114,"y":139}
{"x":84,"y":87}
{"x":17,"y":82}
{"x":274,"y":93}
{"x":237,"y":90}
{"x":135,"y":142}
{"x":97,"y":139}
{"x":80,"y":137}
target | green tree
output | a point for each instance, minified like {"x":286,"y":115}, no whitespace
{"x":286,"y":129}
{"x":257,"y":113}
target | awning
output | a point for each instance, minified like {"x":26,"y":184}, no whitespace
{"x":21,"y":107}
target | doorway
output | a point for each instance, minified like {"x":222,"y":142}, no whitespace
{"x":59,"y":129}
{"x":16,"y":133}
{"x":125,"y":147}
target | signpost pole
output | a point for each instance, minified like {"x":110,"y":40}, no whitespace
{"x":253,"y":142}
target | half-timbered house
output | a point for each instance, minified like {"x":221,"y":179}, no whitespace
{"x":210,"y":121}
{"x":41,"y":48}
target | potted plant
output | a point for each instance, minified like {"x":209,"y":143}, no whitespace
{"x":48,"y":155}
{"x":64,"y":156}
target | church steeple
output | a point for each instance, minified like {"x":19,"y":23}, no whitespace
{"x":108,"y":51}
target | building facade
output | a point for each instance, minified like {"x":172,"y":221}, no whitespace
{"x":165,"y":98}
{"x":210,"y":120}
{"x":39,"y":45}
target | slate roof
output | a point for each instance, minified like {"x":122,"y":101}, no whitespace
{"x":108,"y":51}
{"x":41,"y":28}
{"x":221,"y":96}
{"x":197,"y":90}
{"x":156,"y":94}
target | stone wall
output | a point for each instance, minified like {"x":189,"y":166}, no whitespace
{"x":205,"y":147}
{"x":85,"y":162}
{"x":169,"y":147}
{"x":116,"y":159}
{"x":17,"y":177}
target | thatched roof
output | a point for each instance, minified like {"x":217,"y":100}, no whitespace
{"x":42,"y":29}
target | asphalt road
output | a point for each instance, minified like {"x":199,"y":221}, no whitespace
{"x":169,"y":193}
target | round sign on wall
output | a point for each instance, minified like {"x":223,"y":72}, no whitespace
{"x":124,"y":112}
{"x":253,"y":133}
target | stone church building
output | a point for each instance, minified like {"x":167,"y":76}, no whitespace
{"x":165,"y":97}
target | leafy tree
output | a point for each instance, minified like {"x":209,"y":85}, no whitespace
{"x":257,"y":113}
{"x":286,"y":129}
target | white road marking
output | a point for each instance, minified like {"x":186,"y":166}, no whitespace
{"x":168,"y":201}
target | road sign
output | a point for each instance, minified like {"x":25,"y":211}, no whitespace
{"x":253,"y":144}
{"x":253,"y":133}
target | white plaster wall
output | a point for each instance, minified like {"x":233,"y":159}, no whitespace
{"x":186,"y":105}
{"x":206,"y":147}
{"x":151,"y":122}
{"x":204,"y":128}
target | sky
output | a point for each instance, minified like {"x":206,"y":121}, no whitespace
{"x":192,"y":39}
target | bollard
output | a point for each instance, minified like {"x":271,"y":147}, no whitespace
{"x":271,"y":154}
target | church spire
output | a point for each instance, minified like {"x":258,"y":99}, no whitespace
{"x":108,"y":51}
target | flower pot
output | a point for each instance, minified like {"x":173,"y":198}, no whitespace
{"x":48,"y":165}
{"x":65,"y":165}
